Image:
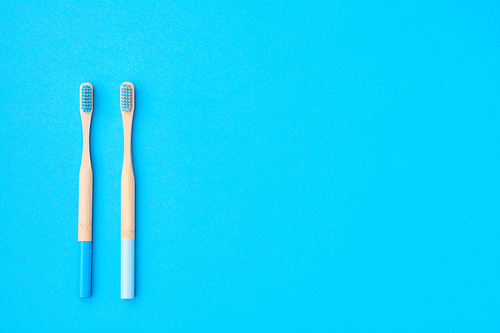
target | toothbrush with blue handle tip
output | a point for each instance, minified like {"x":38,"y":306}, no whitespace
{"x":127,"y":105}
{"x":85,"y":194}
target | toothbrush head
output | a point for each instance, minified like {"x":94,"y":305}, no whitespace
{"x":86,"y":97}
{"x":127,"y":102}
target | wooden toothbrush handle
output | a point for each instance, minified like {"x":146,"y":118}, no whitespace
{"x":128,"y":181}
{"x":86,"y":185}
{"x":128,"y":202}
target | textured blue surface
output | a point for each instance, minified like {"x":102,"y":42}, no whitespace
{"x":315,"y":166}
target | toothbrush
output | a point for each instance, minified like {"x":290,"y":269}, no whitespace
{"x":85,"y":194}
{"x":127,"y":105}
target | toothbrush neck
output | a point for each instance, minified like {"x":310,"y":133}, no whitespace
{"x":127,"y":151}
{"x":127,"y":137}
{"x":86,"y":138}
{"x":86,"y":152}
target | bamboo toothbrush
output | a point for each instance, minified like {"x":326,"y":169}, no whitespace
{"x":85,"y":194}
{"x":127,"y":105}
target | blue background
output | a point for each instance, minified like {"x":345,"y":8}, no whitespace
{"x":316,"y":166}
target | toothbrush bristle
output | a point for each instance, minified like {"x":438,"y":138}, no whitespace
{"x":126,"y":97}
{"x":86,"y":98}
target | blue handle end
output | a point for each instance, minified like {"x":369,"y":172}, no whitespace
{"x":128,"y":268}
{"x":85,"y":269}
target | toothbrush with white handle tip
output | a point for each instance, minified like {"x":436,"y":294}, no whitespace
{"x":85,"y":194}
{"x":127,"y":103}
